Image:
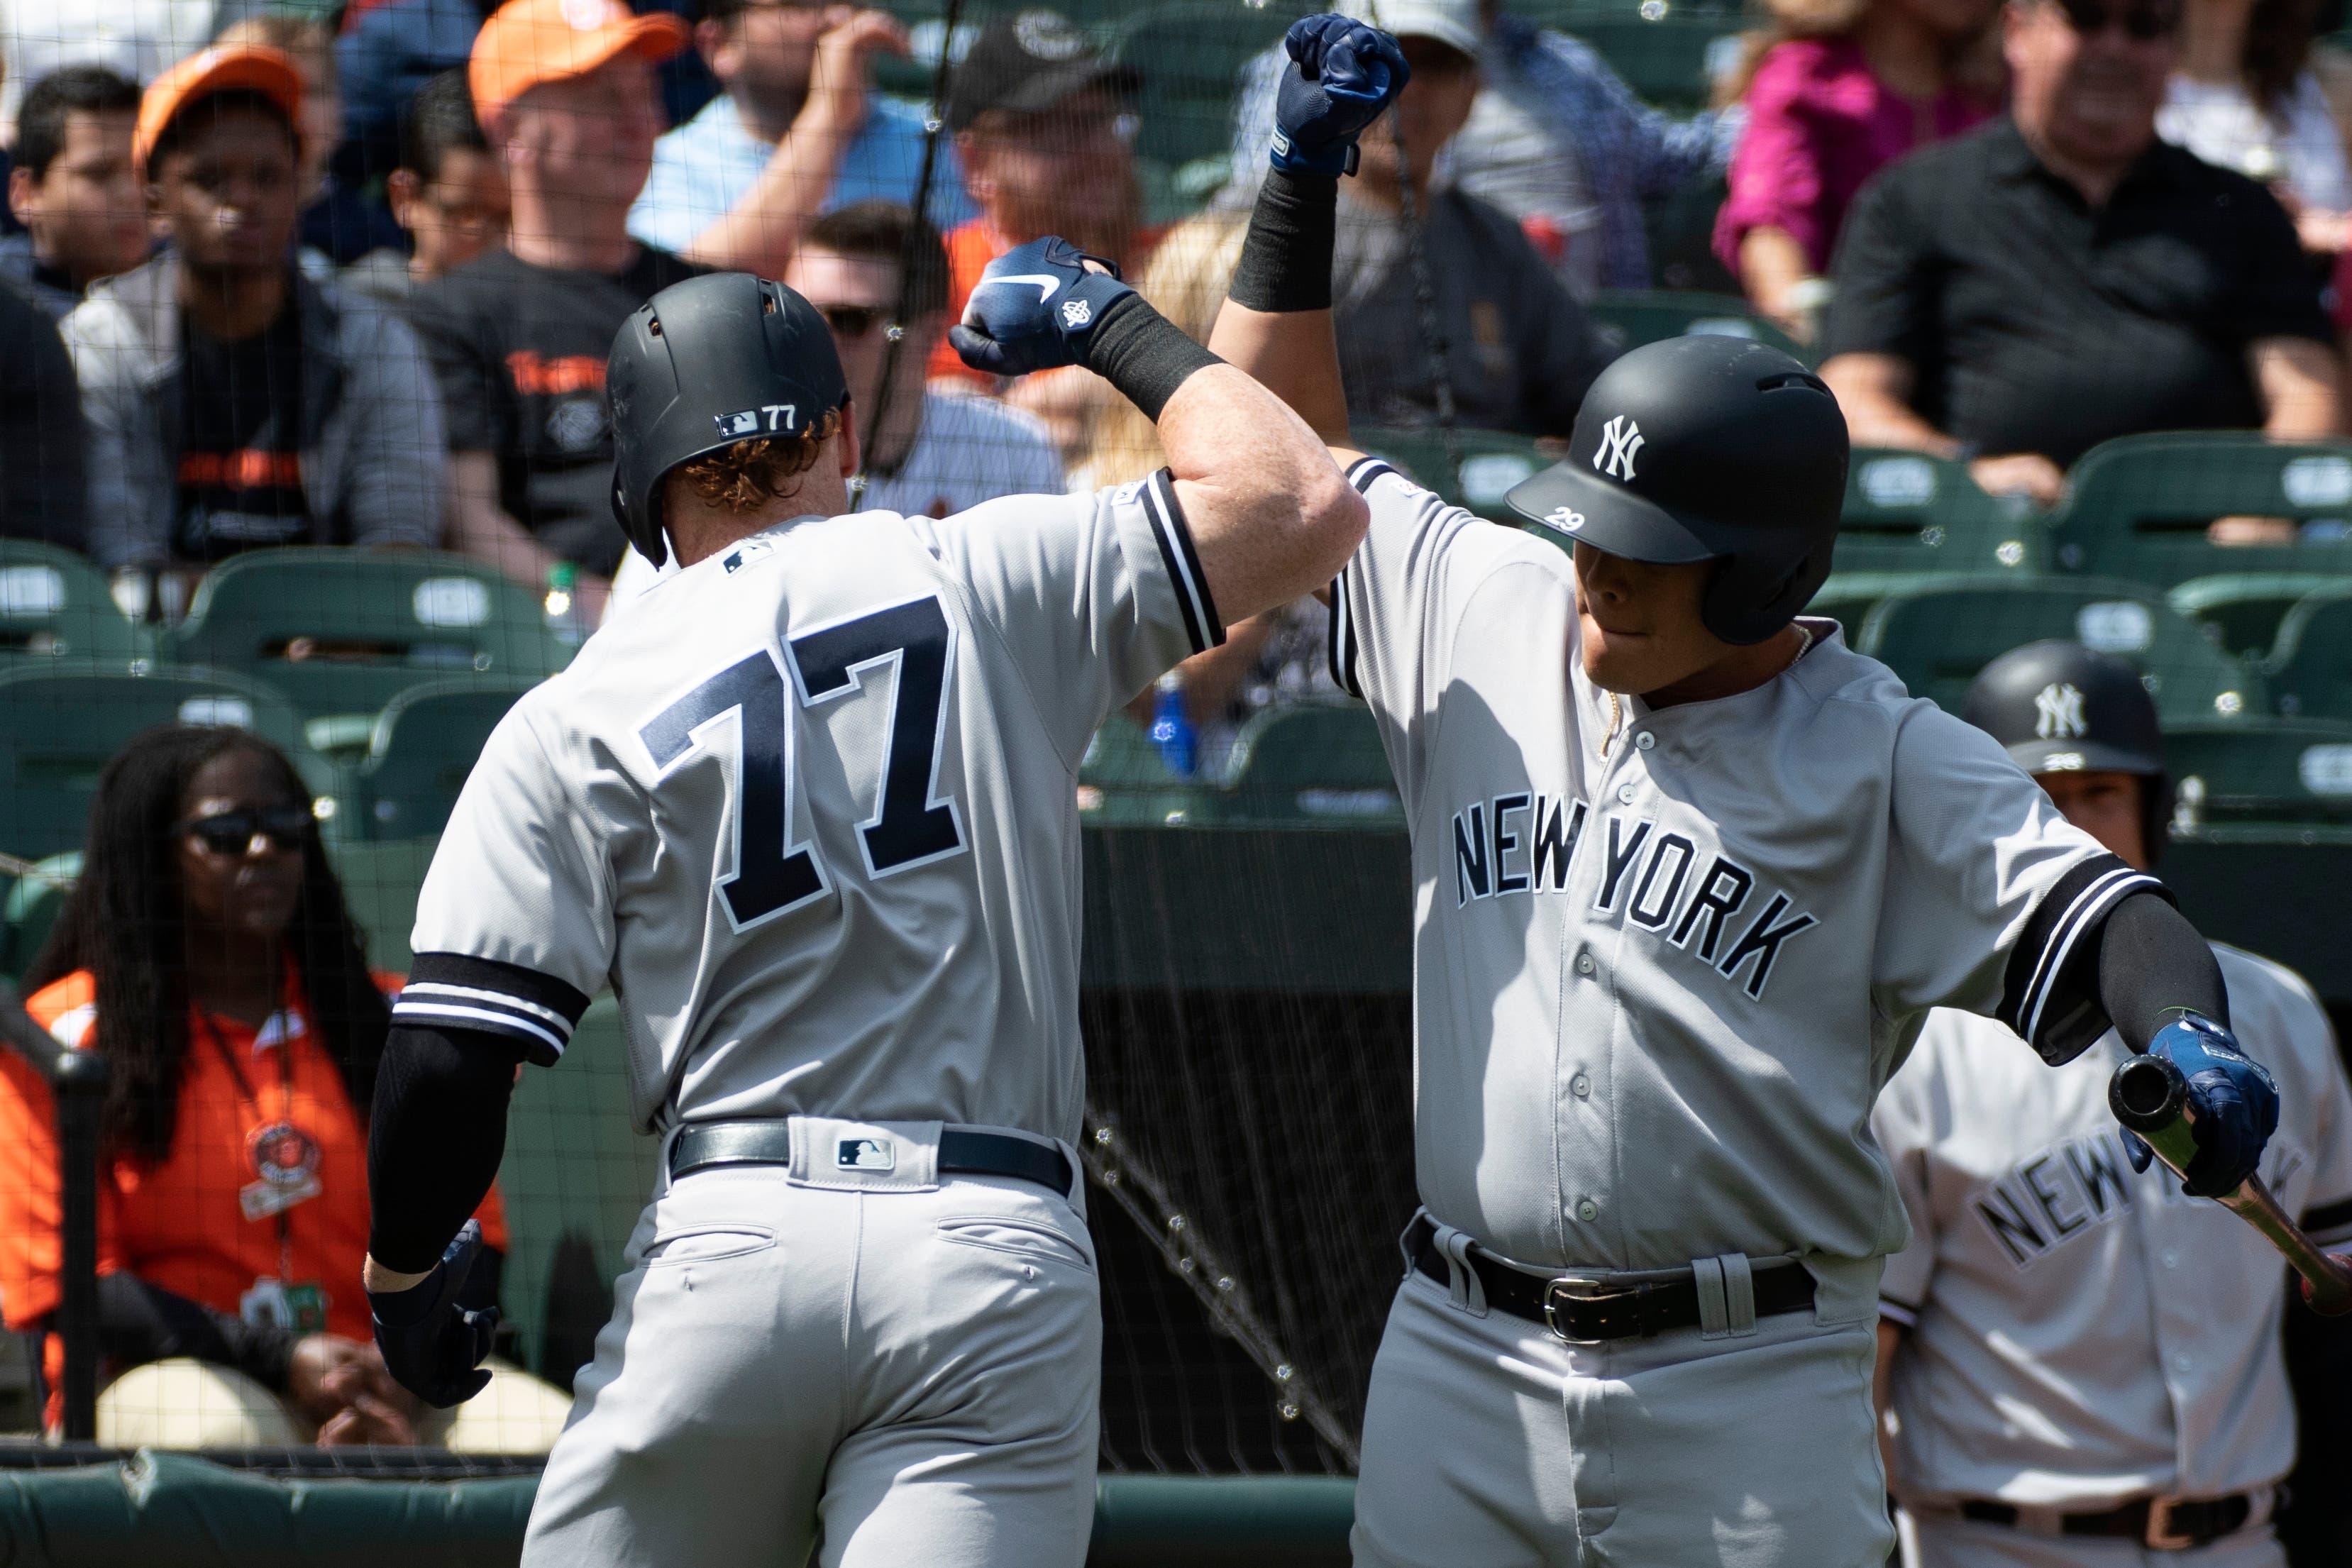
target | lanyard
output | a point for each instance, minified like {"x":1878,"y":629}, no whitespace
{"x":245,"y":1096}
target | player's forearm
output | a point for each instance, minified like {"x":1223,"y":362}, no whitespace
{"x":2152,"y":967}
{"x":1276,"y":322}
{"x":436,"y":1133}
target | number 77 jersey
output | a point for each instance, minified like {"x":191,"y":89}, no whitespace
{"x":809,"y":806}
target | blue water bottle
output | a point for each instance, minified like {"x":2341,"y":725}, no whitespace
{"x":1171,"y":726}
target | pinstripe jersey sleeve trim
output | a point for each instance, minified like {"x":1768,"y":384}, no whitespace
{"x":1364,"y":470}
{"x":454,"y":991}
{"x":2327,"y":1223}
{"x":1340,"y":646}
{"x":1174,"y":537}
{"x":2042,"y":999}
{"x":1898,"y":1312}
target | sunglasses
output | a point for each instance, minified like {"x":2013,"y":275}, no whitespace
{"x":2143,"y":24}
{"x":233,"y":832}
{"x":852,"y":321}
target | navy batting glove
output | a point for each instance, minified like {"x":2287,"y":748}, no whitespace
{"x":2235,"y":1099}
{"x":433,"y":1347}
{"x":1343,"y":74}
{"x":1034,"y":308}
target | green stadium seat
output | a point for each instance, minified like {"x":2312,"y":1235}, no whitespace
{"x":54,"y":603}
{"x":1936,"y":635}
{"x":1906,"y":511}
{"x":1667,"y":54}
{"x":576,"y":1172}
{"x":60,"y":723}
{"x":2262,"y":770}
{"x":1478,"y":471}
{"x":1308,"y":763}
{"x":345,"y":631}
{"x":380,"y":879}
{"x":1190,"y":57}
{"x":31,"y":907}
{"x":2311,"y":667}
{"x":426,"y":743}
{"x":2137,"y":507}
{"x":2242,"y":610}
{"x":1638,"y":316}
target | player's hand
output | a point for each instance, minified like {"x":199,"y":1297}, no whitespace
{"x":1036,"y":307}
{"x":2233,"y":1099}
{"x":432,"y":1346}
{"x":1343,"y":74}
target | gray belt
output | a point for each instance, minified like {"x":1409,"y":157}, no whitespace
{"x":963,"y":1151}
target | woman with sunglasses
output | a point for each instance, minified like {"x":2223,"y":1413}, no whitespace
{"x":207,"y":952}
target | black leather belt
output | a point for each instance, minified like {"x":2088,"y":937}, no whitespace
{"x":1590,"y":1311}
{"x":2160,"y":1524}
{"x":963,"y":1151}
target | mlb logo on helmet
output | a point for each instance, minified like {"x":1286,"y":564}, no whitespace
{"x":743,"y":423}
{"x":865,"y":1155}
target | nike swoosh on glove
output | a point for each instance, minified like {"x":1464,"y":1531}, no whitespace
{"x":1343,"y":75}
{"x":433,"y":1347}
{"x":1036,"y":306}
{"x":2234,"y":1098}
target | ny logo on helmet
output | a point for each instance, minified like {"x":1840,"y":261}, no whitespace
{"x":1076,"y":312}
{"x":1620,"y":439}
{"x":2058,"y":712}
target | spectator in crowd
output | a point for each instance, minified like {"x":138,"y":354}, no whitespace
{"x":797,"y":130}
{"x":2244,"y":97}
{"x":1046,"y":128}
{"x":1841,"y":89}
{"x":1519,"y":351}
{"x":232,"y":402}
{"x":564,"y":90}
{"x":2015,"y":296}
{"x":386,"y":56}
{"x":448,"y":194}
{"x":207,"y":953}
{"x":1555,"y":138}
{"x":44,"y":494}
{"x":338,"y":224}
{"x":71,"y":187}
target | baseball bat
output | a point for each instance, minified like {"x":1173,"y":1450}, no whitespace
{"x":2149,"y":1096}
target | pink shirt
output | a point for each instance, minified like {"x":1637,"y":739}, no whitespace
{"x":1819,"y":124}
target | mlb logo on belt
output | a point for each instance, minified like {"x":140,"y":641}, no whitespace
{"x":865,"y":1154}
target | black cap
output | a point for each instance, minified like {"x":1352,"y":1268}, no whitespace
{"x":2059,"y":707}
{"x":1029,"y":61}
{"x":701,"y":365}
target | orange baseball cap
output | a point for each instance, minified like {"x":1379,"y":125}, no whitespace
{"x":528,"y":42}
{"x":236,"y":68}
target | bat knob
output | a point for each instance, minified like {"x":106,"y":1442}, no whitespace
{"x":2147,"y":1094}
{"x":2334,"y":1299}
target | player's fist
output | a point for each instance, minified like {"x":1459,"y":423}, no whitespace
{"x":431,"y":1345}
{"x":2234,"y":1100}
{"x":1036,"y":306}
{"x":1343,"y":74}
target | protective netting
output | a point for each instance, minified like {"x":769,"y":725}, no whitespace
{"x":354,"y":503}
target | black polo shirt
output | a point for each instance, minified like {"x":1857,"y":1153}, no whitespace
{"x":2034,"y":324}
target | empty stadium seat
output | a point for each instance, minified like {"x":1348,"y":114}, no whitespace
{"x":380,"y":879}
{"x":1312,"y":762}
{"x":1478,"y":471}
{"x":2137,"y":507}
{"x":426,"y":743}
{"x":54,"y":603}
{"x":1906,"y":511}
{"x":2242,"y":610}
{"x":1667,"y":54}
{"x":2310,"y":667}
{"x":1637,"y":316}
{"x":1190,"y":54}
{"x":60,"y":724}
{"x":1938,"y":633}
{"x":345,"y":631}
{"x":2266,"y":770}
{"x":31,"y":909}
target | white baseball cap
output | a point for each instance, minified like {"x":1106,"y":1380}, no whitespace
{"x":1453,"y":23}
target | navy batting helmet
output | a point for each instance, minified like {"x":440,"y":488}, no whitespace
{"x":1706,"y":447}
{"x":2059,"y":708}
{"x":701,"y":365}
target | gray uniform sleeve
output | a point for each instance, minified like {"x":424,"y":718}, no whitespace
{"x":514,"y":926}
{"x":1093,"y":595}
{"x":1993,"y":898}
{"x":2327,"y":1215}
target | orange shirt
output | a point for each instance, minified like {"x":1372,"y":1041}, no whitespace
{"x":971,"y":246}
{"x":199,"y":1225}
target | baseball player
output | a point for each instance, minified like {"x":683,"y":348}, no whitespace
{"x":1687,"y":872}
{"x":810,"y":809}
{"x":2085,"y":1363}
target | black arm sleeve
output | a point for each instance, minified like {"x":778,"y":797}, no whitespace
{"x":439,"y":1131}
{"x":2152,"y":964}
{"x":139,"y":1323}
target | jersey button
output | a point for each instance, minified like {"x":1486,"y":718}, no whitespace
{"x":1587,"y":1210}
{"x":1625,"y":794}
{"x":2171,"y":1258}
{"x":1579,"y":1086}
{"x":1584,"y":963}
{"x":1644,"y":739}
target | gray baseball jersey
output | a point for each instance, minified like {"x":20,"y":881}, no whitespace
{"x":810,"y":808}
{"x":1665,"y":960}
{"x":2082,"y":1334}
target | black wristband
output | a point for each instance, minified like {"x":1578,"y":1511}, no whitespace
{"x":1143,"y":353}
{"x":1286,"y":261}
